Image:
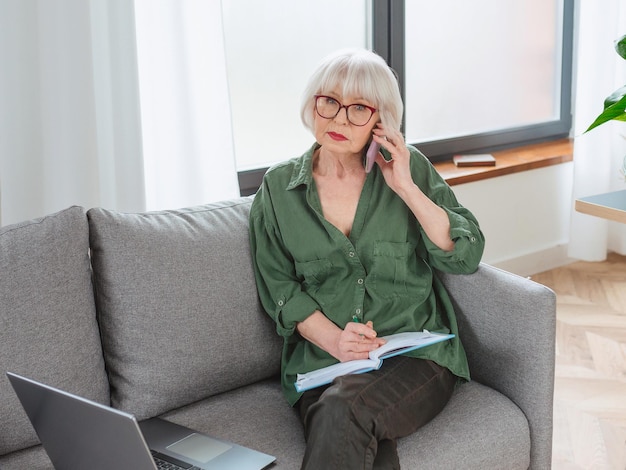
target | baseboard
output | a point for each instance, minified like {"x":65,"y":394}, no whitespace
{"x":536,"y":262}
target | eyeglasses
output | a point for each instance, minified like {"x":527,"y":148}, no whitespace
{"x":328,"y":107}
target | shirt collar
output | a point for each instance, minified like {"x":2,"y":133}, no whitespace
{"x":303,"y":169}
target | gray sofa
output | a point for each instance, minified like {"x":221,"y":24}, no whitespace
{"x":157,"y":314}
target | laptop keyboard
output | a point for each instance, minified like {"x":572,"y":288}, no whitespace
{"x":163,"y":464}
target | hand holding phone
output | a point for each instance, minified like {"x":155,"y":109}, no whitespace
{"x":370,"y":156}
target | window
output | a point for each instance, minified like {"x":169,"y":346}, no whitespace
{"x":475,"y":76}
{"x":272,"y":47}
{"x":480,"y":75}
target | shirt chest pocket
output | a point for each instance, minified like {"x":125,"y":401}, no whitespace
{"x":317,"y":279}
{"x":397,"y":271}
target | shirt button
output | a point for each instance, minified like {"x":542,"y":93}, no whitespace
{"x":358,"y":311}
{"x":472,"y":239}
{"x":351,"y":254}
{"x":359,"y":281}
{"x":281,"y":303}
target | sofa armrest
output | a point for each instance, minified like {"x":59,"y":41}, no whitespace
{"x":507,"y":324}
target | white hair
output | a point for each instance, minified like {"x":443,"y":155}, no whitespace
{"x":355,"y":72}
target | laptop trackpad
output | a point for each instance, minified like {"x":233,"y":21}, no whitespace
{"x":199,"y":448}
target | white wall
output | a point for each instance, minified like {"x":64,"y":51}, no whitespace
{"x":525,"y":217}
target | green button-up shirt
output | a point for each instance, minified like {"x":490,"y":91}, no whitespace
{"x":383,"y":272}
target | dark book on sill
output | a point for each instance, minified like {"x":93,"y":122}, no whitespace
{"x":483,"y":159}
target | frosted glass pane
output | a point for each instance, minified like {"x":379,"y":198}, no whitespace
{"x":272,"y":47}
{"x":480,"y":66}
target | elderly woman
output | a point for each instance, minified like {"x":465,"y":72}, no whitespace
{"x":344,"y":257}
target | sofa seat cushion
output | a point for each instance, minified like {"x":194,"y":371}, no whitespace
{"x":49,"y":330}
{"x":479,"y":427}
{"x":177,"y":305}
{"x":32,"y":458}
{"x":256,"y":416}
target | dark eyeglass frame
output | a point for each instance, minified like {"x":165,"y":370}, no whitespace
{"x":346,"y":106}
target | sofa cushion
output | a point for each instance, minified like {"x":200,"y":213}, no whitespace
{"x":33,"y":458}
{"x":49,"y":330}
{"x":177,"y":305}
{"x":478,"y":429}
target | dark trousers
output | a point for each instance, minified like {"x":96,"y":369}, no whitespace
{"x":354,"y":422}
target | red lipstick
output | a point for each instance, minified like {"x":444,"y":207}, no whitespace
{"x":336,"y":136}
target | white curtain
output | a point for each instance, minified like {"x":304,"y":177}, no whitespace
{"x":75,"y":92}
{"x":598,"y":155}
{"x":185,"y":110}
{"x":50,"y":119}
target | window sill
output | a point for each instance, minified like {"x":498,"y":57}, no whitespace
{"x":514,"y":160}
{"x":508,"y":161}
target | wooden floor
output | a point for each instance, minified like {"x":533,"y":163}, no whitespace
{"x":590,"y":383}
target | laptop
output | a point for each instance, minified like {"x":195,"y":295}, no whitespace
{"x":80,"y":433}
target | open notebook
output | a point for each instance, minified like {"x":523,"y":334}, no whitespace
{"x":395,"y":345}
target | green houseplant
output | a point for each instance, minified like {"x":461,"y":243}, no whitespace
{"x":615,"y":103}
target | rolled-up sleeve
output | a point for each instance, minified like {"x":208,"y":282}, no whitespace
{"x":469,"y":244}
{"x":279,"y":288}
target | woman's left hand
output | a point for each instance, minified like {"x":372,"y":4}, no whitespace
{"x":396,"y":172}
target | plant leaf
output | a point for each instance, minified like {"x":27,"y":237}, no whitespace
{"x":614,"y":97}
{"x":620,"y":46}
{"x":616,"y":111}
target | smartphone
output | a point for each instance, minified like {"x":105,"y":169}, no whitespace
{"x":370,"y":156}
